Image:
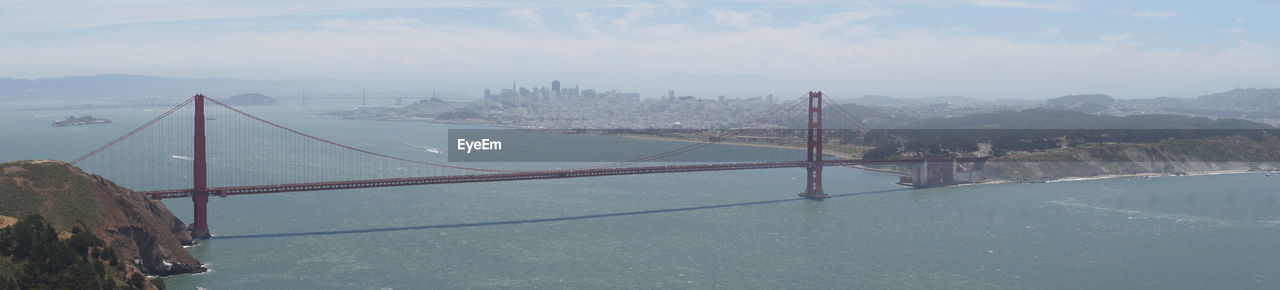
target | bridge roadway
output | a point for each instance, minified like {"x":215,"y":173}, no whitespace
{"x":531,"y":175}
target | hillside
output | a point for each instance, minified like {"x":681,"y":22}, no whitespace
{"x":139,"y":230}
{"x":34,"y":255}
{"x":1040,"y":118}
{"x":1081,"y":103}
{"x":1258,"y":99}
{"x":1171,"y":156}
{"x":251,"y":99}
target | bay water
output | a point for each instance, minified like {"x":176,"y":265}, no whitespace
{"x":732,"y":229}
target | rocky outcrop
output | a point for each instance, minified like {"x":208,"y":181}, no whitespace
{"x":142,"y":231}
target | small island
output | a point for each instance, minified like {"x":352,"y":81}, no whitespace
{"x":81,"y":120}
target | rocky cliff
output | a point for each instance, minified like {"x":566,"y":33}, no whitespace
{"x":142,"y":231}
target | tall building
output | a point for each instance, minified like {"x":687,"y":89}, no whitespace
{"x":671,"y":94}
{"x":555,"y":87}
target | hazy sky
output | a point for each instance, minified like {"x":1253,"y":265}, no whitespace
{"x":906,"y":48}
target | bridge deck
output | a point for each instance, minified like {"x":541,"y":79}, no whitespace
{"x":532,"y":175}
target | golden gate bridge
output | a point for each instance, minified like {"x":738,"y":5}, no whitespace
{"x":200,"y":190}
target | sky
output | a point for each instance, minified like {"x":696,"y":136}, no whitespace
{"x":987,"y":49}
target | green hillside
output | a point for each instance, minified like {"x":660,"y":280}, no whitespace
{"x":140,"y":231}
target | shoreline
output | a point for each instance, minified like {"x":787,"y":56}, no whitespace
{"x":1118,"y":176}
{"x":1078,"y":178}
{"x":885,"y":171}
{"x":1150,"y":175}
{"x":675,"y":139}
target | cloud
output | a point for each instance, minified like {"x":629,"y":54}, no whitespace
{"x":586,"y":22}
{"x":528,"y":17}
{"x":43,"y":16}
{"x":631,"y":17}
{"x":1047,"y":32}
{"x":1154,"y":14}
{"x":1046,"y":6}
{"x":649,"y":49}
{"x":736,"y":18}
{"x":860,"y":13}
{"x":654,"y":58}
{"x":1120,"y":37}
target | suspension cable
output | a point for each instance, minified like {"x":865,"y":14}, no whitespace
{"x":845,"y":113}
{"x":309,"y":136}
{"x":134,"y":131}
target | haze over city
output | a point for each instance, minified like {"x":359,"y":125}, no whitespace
{"x":982,"y":48}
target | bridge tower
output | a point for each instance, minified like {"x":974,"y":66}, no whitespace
{"x":200,"y":193}
{"x":813,"y":178}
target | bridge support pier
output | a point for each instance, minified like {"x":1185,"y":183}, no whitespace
{"x":813,"y":178}
{"x":200,"y":193}
{"x":931,"y":174}
{"x":920,"y":174}
{"x":813,"y":183}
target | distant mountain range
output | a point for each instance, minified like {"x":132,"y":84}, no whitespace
{"x":1262,"y":99}
{"x":1041,"y":118}
{"x":1253,"y":99}
{"x":136,"y":87}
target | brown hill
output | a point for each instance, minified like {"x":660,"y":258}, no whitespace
{"x":142,"y":231}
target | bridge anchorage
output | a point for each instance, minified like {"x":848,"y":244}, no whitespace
{"x":926,"y":172}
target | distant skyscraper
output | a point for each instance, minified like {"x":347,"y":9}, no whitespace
{"x":555,"y":87}
{"x":671,"y":94}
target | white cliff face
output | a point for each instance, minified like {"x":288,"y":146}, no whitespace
{"x":1133,"y":159}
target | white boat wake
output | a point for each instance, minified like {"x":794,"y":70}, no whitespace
{"x":424,"y":148}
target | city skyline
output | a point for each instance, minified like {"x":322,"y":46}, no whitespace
{"x":980,"y":48}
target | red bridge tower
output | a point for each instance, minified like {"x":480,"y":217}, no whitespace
{"x":813,"y":182}
{"x":200,"y":188}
